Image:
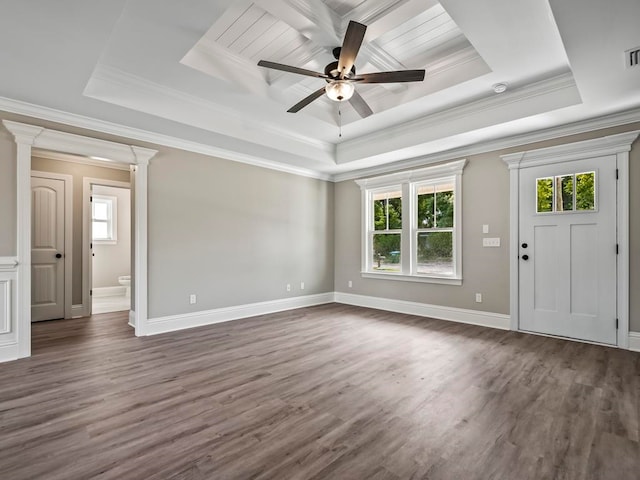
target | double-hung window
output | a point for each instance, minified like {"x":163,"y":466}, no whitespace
{"x":412,"y":225}
{"x":103,"y":218}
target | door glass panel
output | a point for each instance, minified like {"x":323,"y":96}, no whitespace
{"x":544,"y":195}
{"x":435,"y":253}
{"x":564,"y":193}
{"x":386,"y":252}
{"x":585,"y":191}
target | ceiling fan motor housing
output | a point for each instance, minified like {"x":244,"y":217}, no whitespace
{"x":332,"y":71}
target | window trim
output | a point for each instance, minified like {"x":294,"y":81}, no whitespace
{"x":112,"y":221}
{"x":408,"y":181}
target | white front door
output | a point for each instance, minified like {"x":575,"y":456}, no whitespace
{"x":47,"y":248}
{"x":567,"y":250}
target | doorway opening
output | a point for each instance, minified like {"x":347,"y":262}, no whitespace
{"x":109,"y":246}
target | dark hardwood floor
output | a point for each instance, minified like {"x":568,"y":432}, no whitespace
{"x":329,"y":392}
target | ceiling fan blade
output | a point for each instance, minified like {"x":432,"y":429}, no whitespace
{"x":306,"y":101}
{"x":290,"y":69}
{"x":391,"y":77}
{"x":359,"y":105}
{"x":350,"y":47}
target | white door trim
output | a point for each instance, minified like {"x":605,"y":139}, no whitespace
{"x":31,"y":136}
{"x":619,"y":145}
{"x":87,"y":261}
{"x":68,"y":235}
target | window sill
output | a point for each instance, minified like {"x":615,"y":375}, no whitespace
{"x":105,"y":242}
{"x":412,"y":278}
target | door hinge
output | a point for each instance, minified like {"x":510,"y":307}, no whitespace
{"x":616,"y":324}
{"x":90,"y":292}
{"x":616,"y":174}
{"x":617,"y":249}
{"x":91,"y":197}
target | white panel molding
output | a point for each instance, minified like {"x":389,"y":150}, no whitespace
{"x":614,"y":120}
{"x":114,"y":291}
{"x":634,"y":341}
{"x":9,"y":348}
{"x":29,"y":136}
{"x":173,"y":323}
{"x":616,"y":147}
{"x":452,"y":314}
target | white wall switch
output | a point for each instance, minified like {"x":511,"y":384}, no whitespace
{"x":192,"y":298}
{"x":491,"y":242}
{"x":350,"y":284}
{"x":478,"y":297}
{"x":485,"y":228}
{"x":301,"y":285}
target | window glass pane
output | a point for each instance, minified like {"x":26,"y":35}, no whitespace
{"x":544,"y":195}
{"x":100,"y":210}
{"x":100,"y":231}
{"x":585,"y":191}
{"x":395,"y":213}
{"x":426,"y":207}
{"x":387,"y":211}
{"x":444,"y":209}
{"x":386,"y":252}
{"x":564,"y":193}
{"x":435,"y":253}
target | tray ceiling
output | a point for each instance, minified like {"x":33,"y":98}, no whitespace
{"x":189,"y":71}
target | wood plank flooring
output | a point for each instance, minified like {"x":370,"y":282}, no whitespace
{"x":329,"y":392}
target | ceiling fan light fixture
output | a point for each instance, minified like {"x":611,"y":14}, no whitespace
{"x":339,"y":90}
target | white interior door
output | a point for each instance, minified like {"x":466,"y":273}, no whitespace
{"x":47,"y":248}
{"x":567,"y":251}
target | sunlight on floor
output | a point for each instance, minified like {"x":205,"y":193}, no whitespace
{"x":110,"y":304}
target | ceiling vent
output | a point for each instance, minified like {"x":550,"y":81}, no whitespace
{"x":632,"y":57}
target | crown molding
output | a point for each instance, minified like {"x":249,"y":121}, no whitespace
{"x":80,"y":121}
{"x":575,"y":128}
{"x":435,"y":171}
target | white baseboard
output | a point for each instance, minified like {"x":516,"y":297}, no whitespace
{"x":461,"y":315}
{"x":116,"y":291}
{"x":78,"y":311}
{"x":208,"y":317}
{"x":132,"y":318}
{"x":634,"y":341}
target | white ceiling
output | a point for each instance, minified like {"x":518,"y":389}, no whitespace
{"x":188,"y":70}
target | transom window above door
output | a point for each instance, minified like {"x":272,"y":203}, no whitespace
{"x":574,"y":192}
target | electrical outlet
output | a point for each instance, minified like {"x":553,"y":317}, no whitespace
{"x":192,"y":298}
{"x":350,"y":284}
{"x":491,"y":242}
{"x":478,"y":298}
{"x":301,"y":285}
{"x":288,"y":287}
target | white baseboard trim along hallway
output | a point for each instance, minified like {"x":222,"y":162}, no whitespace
{"x":460,"y":315}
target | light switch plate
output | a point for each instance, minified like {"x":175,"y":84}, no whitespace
{"x":485,"y":228}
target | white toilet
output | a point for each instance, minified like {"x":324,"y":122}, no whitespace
{"x":125,"y":281}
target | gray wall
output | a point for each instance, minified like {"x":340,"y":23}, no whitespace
{"x":112,"y":260}
{"x":78,"y":172}
{"x":234,"y":234}
{"x":7,"y":194}
{"x":485,"y":197}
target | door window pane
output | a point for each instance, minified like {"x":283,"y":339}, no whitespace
{"x":100,"y":231}
{"x":585,"y":191}
{"x":544,"y":195}
{"x":386,"y":252}
{"x":564,"y":193}
{"x":100,"y":210}
{"x":435,"y":253}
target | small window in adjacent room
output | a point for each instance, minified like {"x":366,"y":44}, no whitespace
{"x":412,"y":225}
{"x":103,"y":219}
